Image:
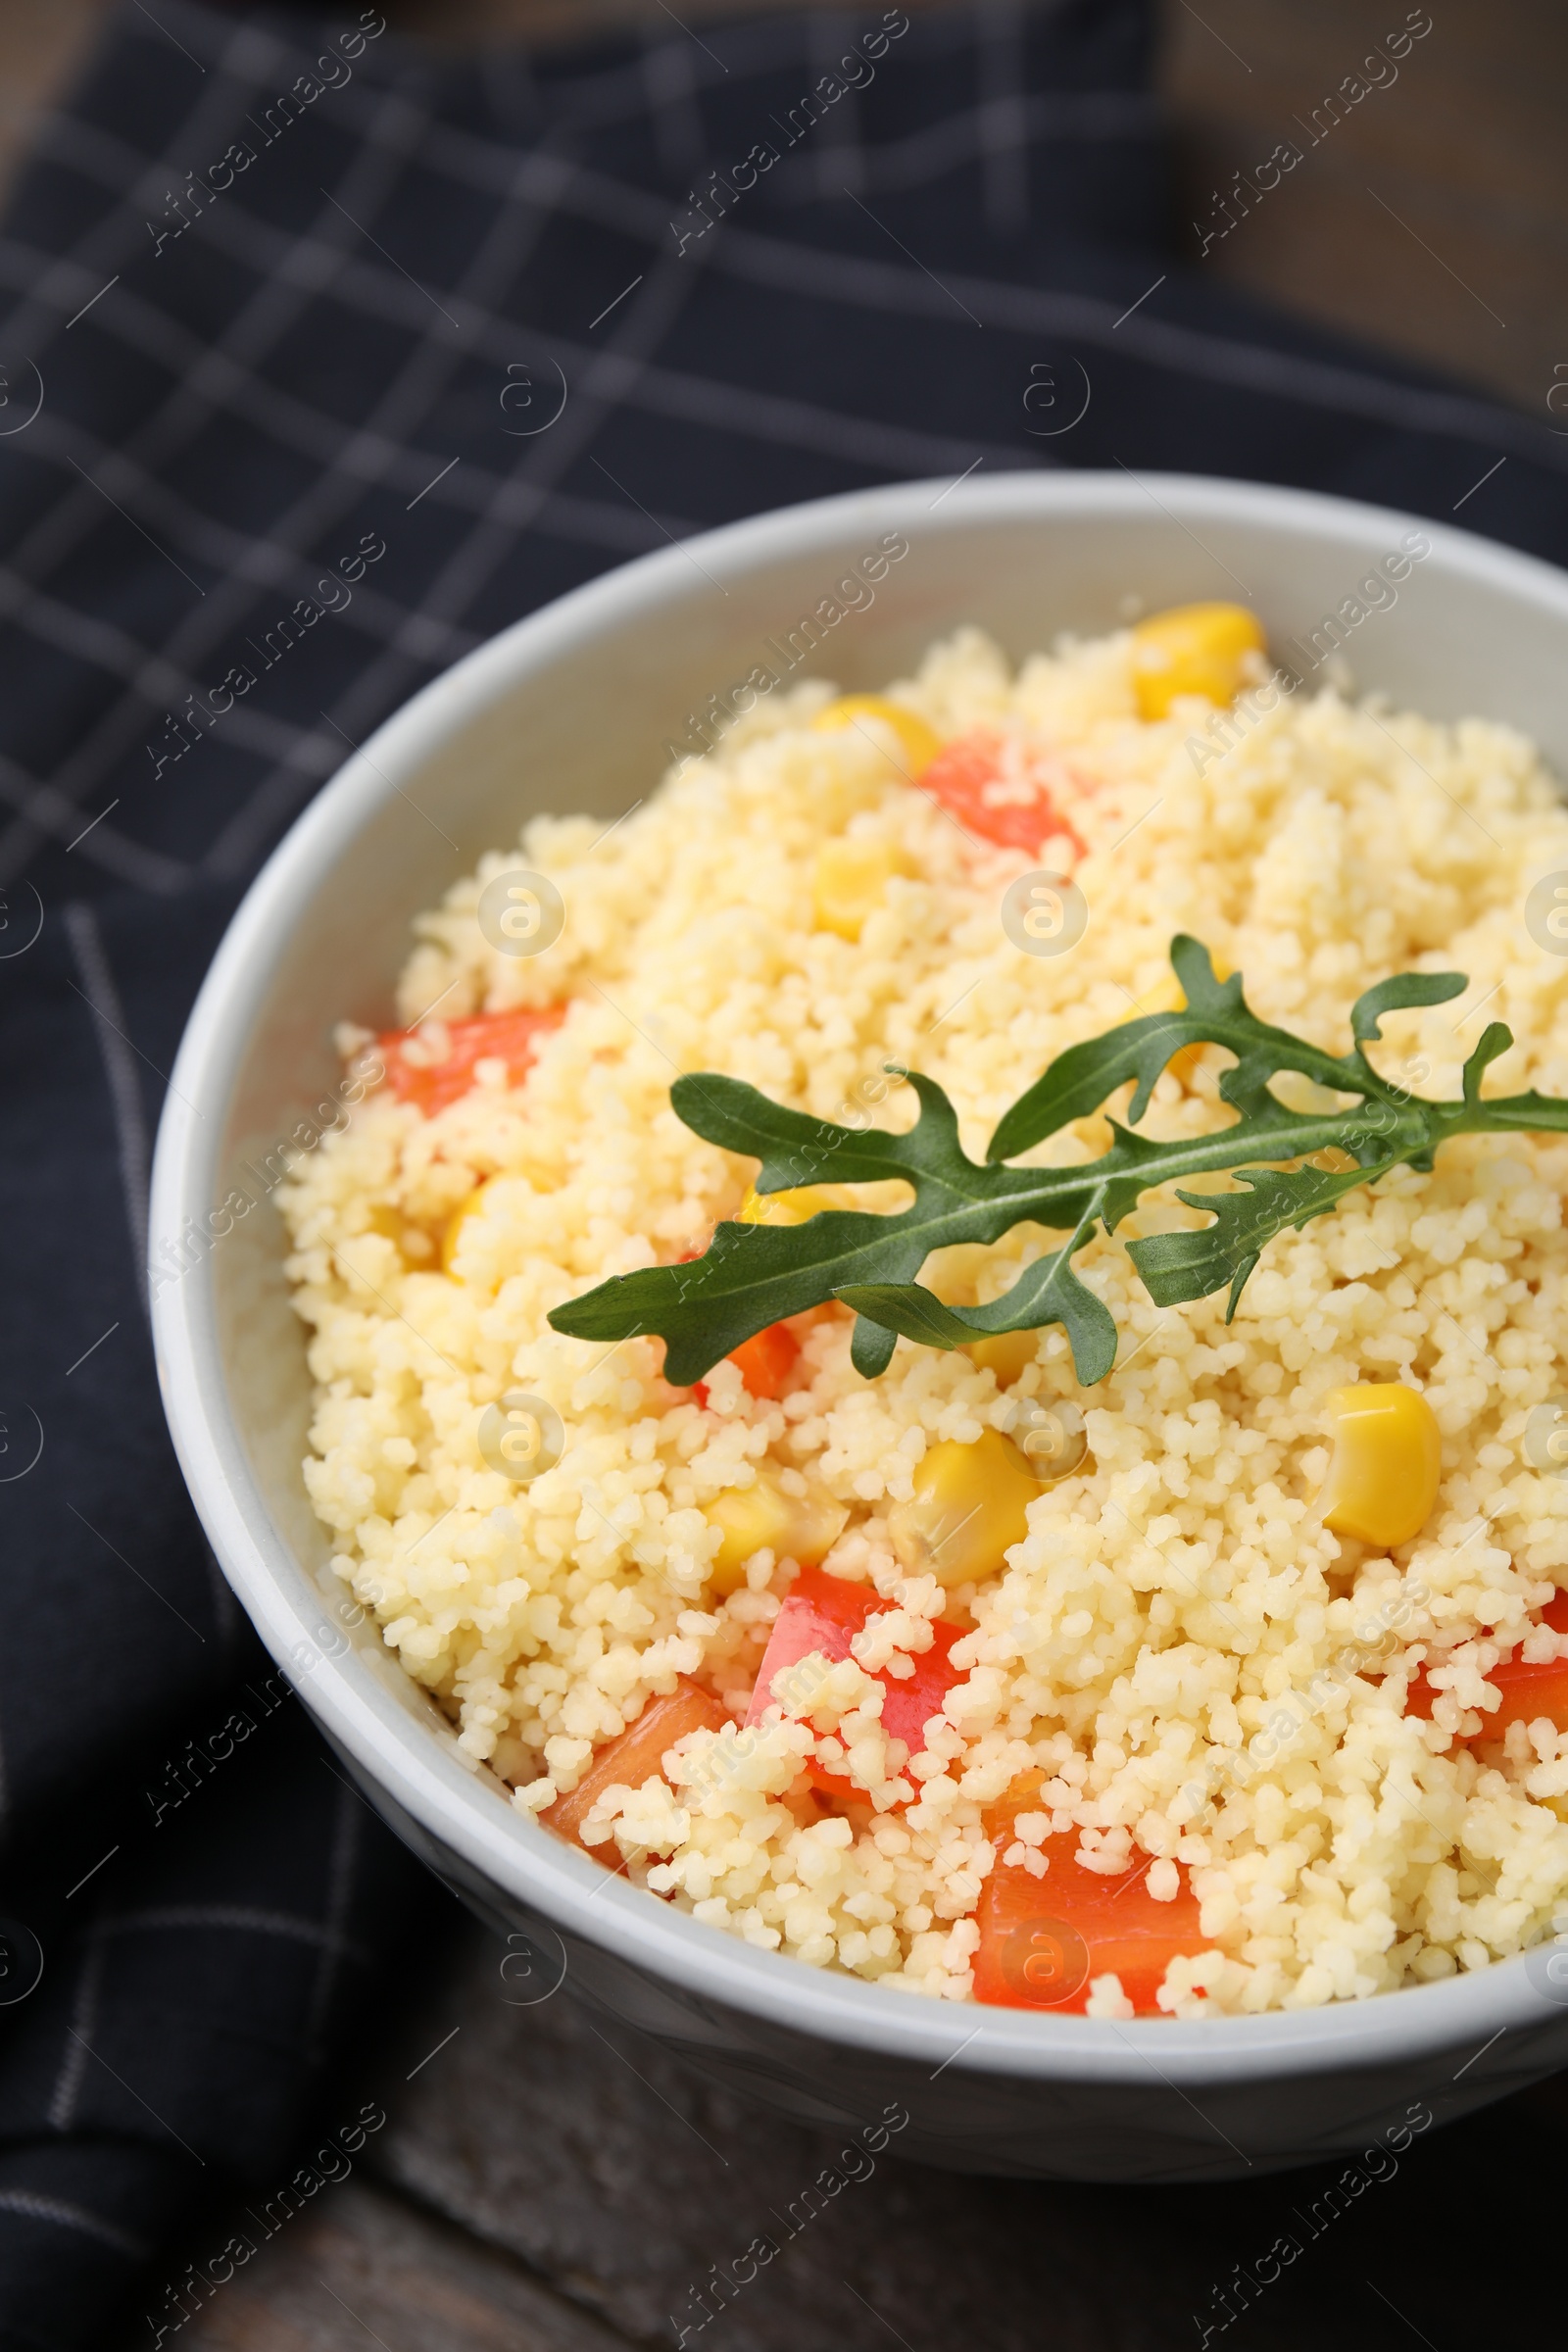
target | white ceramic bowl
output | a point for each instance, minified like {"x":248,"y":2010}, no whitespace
{"x":572,"y":709}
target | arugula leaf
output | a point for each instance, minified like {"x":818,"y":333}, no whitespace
{"x":754,"y":1275}
{"x":1177,"y":1266}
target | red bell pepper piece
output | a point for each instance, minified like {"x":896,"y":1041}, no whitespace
{"x":959,"y":777}
{"x":509,"y":1037}
{"x":822,"y":1612}
{"x":1527,"y":1691}
{"x":1043,"y":1942}
{"x":764,"y":1361}
{"x":633,"y":1756}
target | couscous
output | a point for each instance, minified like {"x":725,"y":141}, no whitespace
{"x":1233,"y":1680}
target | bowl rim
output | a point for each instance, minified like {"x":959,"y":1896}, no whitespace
{"x":450,"y":1798}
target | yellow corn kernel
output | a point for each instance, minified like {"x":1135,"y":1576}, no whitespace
{"x":1171,"y":997}
{"x":1387,"y":1457}
{"x":1192,"y":648}
{"x":952,"y":1273}
{"x":796,"y":1527}
{"x":918,"y":744}
{"x":455,"y":1224}
{"x":1007,"y":1354}
{"x":794,"y":1207}
{"x":967,"y":1509}
{"x":851,"y":882}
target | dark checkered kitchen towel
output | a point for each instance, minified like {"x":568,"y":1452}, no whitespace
{"x":291,"y":313}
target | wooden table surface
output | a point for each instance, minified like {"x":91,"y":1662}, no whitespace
{"x":545,"y":2184}
{"x":548,"y":2183}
